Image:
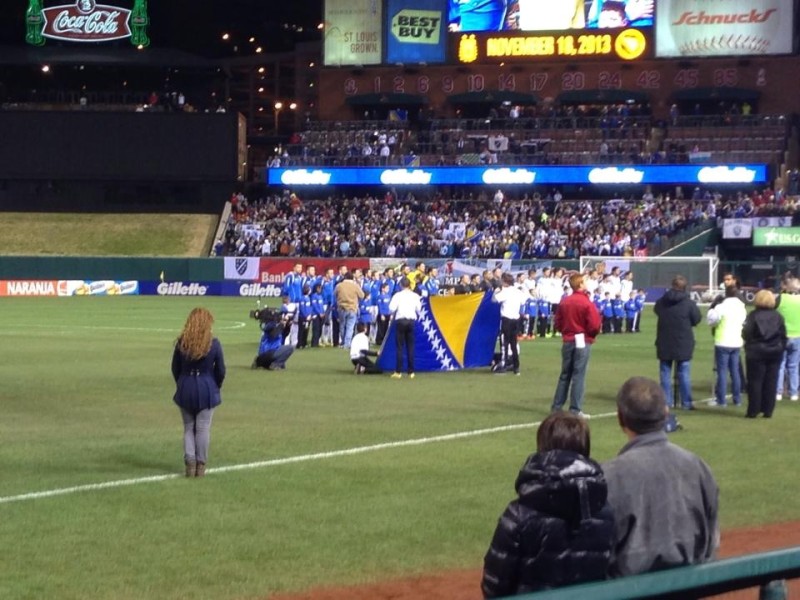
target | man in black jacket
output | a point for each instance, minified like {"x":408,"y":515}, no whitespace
{"x":677,"y":315}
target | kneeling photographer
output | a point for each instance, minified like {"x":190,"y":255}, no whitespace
{"x":272,"y":352}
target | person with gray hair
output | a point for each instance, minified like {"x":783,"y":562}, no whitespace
{"x":664,"y":498}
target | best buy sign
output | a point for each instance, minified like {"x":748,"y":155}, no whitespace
{"x":776,"y":236}
{"x":417,"y":26}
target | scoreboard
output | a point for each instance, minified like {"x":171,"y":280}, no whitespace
{"x":464,"y":32}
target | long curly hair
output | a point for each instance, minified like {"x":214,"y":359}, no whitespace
{"x":195,"y":339}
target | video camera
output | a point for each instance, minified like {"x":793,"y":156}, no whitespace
{"x":266,"y":315}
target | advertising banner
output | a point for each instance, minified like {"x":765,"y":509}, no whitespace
{"x":772,"y":221}
{"x":415,"y":31}
{"x":273,"y":270}
{"x":353,"y":34}
{"x":71,"y":287}
{"x":737,"y":229}
{"x":522,"y":175}
{"x":729,"y":28}
{"x":180,"y":288}
{"x":241,"y":267}
{"x":776,"y":236}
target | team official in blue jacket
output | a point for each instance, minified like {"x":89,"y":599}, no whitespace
{"x":198,"y":368}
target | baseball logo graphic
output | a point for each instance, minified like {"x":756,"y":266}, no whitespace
{"x":724,"y":27}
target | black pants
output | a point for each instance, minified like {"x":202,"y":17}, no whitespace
{"x":617,"y":324}
{"x":762,"y":386}
{"x":404,"y":336}
{"x":369,"y":367}
{"x":383,"y":327}
{"x":608,"y":324}
{"x":543,"y":325}
{"x":508,"y":333}
{"x":334,"y":332}
{"x":316,"y":330}
{"x":629,"y":324}
{"x":302,"y":333}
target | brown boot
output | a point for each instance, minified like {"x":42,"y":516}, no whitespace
{"x":191,"y":468}
{"x":201,"y":469}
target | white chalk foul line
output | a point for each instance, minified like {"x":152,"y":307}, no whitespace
{"x":280,"y":461}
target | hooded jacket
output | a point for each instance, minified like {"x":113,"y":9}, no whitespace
{"x":764,"y":335}
{"x":677,"y":315}
{"x":559,"y":531}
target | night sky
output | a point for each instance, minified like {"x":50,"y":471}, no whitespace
{"x":197,"y":25}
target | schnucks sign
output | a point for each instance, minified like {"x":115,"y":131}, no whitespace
{"x":86,"y":21}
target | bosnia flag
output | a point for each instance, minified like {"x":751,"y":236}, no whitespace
{"x":452,"y":332}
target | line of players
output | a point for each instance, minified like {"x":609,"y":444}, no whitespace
{"x":310,"y":306}
{"x":309,"y":302}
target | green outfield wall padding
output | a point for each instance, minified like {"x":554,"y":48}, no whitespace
{"x":117,"y":268}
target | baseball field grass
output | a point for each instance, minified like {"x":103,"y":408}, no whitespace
{"x":316,"y":476}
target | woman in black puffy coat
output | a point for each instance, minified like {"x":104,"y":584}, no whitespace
{"x":764,"y":334}
{"x":560,"y":529}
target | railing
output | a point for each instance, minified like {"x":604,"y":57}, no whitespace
{"x":688,"y":582}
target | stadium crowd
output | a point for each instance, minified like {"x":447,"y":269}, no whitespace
{"x":489,"y":225}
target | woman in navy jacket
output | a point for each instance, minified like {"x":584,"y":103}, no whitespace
{"x":199,"y":370}
{"x":559,"y":530}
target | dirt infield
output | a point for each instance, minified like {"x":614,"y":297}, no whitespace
{"x":464,"y":585}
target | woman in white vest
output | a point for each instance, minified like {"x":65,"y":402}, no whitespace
{"x":727,"y":319}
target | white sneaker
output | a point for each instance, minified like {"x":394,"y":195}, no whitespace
{"x":795,"y":398}
{"x":583,"y":415}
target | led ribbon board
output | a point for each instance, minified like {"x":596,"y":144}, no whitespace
{"x":521,"y":175}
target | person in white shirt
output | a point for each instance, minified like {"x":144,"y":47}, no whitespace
{"x":511,"y":300}
{"x":626,"y":285}
{"x":359,"y":353}
{"x":405,"y":307}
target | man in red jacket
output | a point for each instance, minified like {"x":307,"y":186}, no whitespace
{"x":579,"y":322}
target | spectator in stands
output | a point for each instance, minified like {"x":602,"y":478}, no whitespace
{"x":664,"y":498}
{"x":764,"y":334}
{"x":198,"y":368}
{"x":559,"y":530}
{"x":677,"y":315}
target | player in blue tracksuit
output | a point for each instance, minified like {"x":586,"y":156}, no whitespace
{"x":618,"y":308}
{"x":531,"y":310}
{"x":365,"y":315}
{"x":630,"y":313}
{"x":384,"y":314}
{"x":317,"y":314}
{"x":543,"y":318}
{"x":431,"y":285}
{"x":640,"y":299}
{"x":292,"y":285}
{"x":608,"y":314}
{"x":477,"y":15}
{"x":304,"y":315}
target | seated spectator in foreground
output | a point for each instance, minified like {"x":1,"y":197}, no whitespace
{"x":559,"y":531}
{"x":664,"y":498}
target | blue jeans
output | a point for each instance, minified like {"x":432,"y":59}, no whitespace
{"x":347,"y":323}
{"x":727,"y":359}
{"x":196,"y":434}
{"x":685,"y":387}
{"x":574,"y":362}
{"x":790,"y":362}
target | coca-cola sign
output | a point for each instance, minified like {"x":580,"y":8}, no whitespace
{"x":86,"y":21}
